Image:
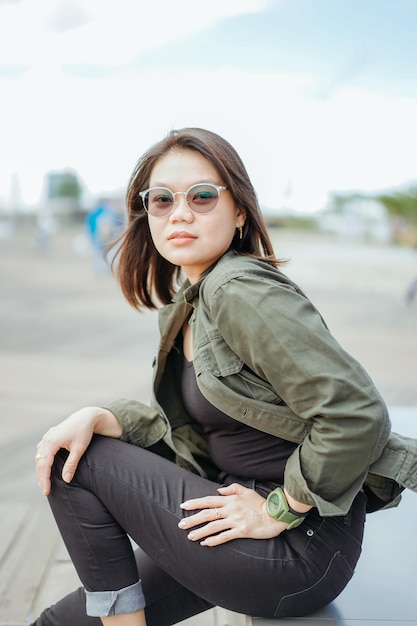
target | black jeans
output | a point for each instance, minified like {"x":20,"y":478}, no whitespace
{"x":120,"y":490}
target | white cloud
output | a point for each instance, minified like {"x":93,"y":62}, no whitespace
{"x":51,"y":32}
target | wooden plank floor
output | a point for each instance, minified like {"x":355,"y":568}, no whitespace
{"x":28,"y":546}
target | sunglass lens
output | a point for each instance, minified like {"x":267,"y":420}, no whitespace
{"x":202,"y":198}
{"x":159,"y":201}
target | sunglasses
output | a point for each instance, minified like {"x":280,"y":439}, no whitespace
{"x":201,"y":198}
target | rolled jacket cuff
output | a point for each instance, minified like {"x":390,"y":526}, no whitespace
{"x":106,"y":603}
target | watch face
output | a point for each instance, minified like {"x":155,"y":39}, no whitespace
{"x":276,"y":504}
{"x":277,"y":507}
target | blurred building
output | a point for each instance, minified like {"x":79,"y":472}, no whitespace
{"x":358,"y":218}
{"x":63,"y":192}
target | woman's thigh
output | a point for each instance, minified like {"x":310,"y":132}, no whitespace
{"x":142,"y":493}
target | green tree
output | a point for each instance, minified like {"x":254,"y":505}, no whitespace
{"x":64,"y":185}
{"x":402,"y":204}
{"x":69,"y":188}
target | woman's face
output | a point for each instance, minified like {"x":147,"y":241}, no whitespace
{"x":194,"y":241}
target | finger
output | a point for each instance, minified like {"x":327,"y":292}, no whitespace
{"x":205,"y":531}
{"x":45,"y":486}
{"x":231,"y":490}
{"x":208,"y":502}
{"x":202,"y":517}
{"x":70,"y":465}
{"x":43,"y":471}
{"x":220,"y":538}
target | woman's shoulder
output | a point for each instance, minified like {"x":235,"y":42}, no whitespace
{"x":232,"y":266}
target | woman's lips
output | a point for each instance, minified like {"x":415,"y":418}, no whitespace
{"x":181,"y":234}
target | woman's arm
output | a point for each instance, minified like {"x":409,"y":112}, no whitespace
{"x":279,"y":334}
{"x":299,"y":507}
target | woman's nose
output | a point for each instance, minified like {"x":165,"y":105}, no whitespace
{"x":181,"y":209}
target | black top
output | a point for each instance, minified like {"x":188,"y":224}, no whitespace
{"x":234,"y":447}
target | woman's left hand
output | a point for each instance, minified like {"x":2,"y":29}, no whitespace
{"x":238,"y":512}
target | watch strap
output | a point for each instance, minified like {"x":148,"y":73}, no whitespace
{"x":297,"y":513}
{"x":278,"y":508}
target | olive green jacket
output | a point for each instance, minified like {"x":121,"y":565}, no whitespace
{"x":264,"y":356}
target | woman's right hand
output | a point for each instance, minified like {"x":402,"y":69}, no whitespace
{"x":73,"y":434}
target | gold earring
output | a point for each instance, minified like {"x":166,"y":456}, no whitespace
{"x":240,"y":232}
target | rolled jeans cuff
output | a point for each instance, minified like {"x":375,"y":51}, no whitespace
{"x":105,"y":603}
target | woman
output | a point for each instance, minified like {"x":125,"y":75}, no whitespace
{"x":244,"y":486}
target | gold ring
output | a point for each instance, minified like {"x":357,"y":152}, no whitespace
{"x":38,"y":457}
{"x":217,"y":512}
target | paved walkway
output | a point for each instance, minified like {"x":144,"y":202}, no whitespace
{"x":68,"y":339}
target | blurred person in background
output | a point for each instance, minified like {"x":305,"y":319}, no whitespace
{"x":411,"y":292}
{"x":103,"y":225}
{"x":247,"y":481}
{"x":46,"y":226}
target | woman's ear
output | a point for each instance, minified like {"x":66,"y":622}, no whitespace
{"x":240,"y":217}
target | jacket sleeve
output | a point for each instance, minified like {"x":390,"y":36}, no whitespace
{"x":279,"y":334}
{"x":142,"y":425}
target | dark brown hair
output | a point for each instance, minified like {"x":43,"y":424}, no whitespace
{"x":146,"y":278}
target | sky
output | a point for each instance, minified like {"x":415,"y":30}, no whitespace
{"x":317,"y":96}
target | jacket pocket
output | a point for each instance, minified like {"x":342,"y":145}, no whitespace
{"x":258,"y":388}
{"x":217,"y":357}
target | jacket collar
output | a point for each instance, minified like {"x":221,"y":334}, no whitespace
{"x":190,"y":292}
{"x":172,"y":316}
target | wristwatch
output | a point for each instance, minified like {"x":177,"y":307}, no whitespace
{"x":277,"y":507}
